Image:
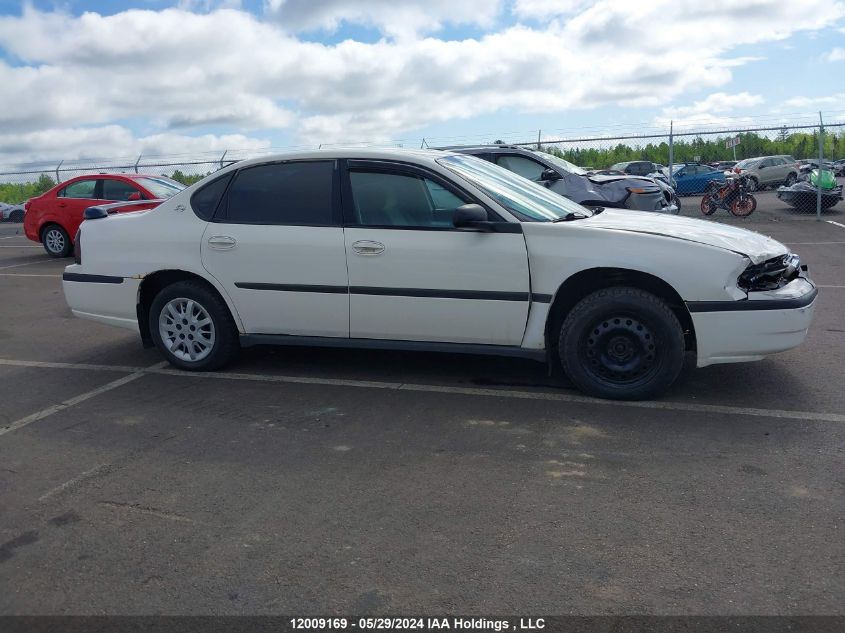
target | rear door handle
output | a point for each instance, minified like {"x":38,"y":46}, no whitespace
{"x":222,"y":242}
{"x":368,"y":247}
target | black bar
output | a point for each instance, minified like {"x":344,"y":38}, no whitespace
{"x":749,"y":306}
{"x":93,"y":279}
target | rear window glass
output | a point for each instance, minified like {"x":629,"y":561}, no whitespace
{"x":299,"y":193}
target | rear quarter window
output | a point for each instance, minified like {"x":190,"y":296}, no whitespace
{"x":205,"y":200}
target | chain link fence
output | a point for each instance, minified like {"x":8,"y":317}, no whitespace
{"x":776,"y":163}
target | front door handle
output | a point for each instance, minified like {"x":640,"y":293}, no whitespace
{"x":222,"y":242}
{"x":368,"y":247}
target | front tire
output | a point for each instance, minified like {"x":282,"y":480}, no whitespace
{"x":744,"y":208}
{"x":192,"y":327}
{"x":56,"y":241}
{"x":621,"y":343}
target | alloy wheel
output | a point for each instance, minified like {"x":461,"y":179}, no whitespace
{"x":54,"y":240}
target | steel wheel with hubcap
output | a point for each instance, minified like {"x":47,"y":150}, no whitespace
{"x":192,"y":326}
{"x":56,"y":241}
{"x":621,"y":343}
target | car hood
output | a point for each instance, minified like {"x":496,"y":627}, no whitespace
{"x":758,"y":248}
{"x":634,"y":181}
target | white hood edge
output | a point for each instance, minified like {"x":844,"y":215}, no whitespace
{"x":757,"y":247}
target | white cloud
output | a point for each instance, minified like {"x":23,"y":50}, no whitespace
{"x":400,"y":18}
{"x":814,"y":102}
{"x":543,"y":10}
{"x":718,"y":102}
{"x":113,"y":140}
{"x":175,"y":70}
{"x":836,"y":55}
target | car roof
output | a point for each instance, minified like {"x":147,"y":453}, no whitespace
{"x":114,"y":175}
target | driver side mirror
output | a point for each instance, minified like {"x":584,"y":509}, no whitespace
{"x":134,"y":196}
{"x":549,"y":175}
{"x":470,"y":216}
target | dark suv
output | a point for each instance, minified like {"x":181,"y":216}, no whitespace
{"x":576,"y":183}
{"x":637,"y":167}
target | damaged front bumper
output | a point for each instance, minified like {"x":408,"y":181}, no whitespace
{"x":766,"y":322}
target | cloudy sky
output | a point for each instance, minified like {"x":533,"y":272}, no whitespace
{"x":108,"y":78}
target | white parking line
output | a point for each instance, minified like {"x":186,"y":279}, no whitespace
{"x":836,"y":223}
{"x":40,"y":415}
{"x":11,"y":237}
{"x":159,"y":369}
{"x":27,"y":275}
{"x":794,"y":243}
{"x":40,"y":261}
{"x":21,"y":246}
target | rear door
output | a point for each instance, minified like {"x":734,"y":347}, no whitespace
{"x":276,"y":245}
{"x":72,"y":200}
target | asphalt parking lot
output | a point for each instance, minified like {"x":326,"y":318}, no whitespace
{"x":313,"y":481}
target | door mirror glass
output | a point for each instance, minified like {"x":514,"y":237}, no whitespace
{"x":134,"y":196}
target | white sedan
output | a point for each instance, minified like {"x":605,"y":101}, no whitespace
{"x":425,"y":250}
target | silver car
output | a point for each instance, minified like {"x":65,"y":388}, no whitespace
{"x":638,"y":193}
{"x":11,"y":212}
{"x":768,"y":171}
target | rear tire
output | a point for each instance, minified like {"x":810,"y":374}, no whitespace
{"x":56,"y":241}
{"x":192,"y":327}
{"x":790,"y":180}
{"x":708,"y":207}
{"x":753,"y":184}
{"x":621,"y":343}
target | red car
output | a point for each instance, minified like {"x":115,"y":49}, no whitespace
{"x":53,"y":217}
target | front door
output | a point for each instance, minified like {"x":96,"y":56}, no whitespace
{"x":413,"y":276}
{"x":276,"y":245}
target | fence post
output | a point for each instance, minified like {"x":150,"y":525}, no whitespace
{"x":821,"y":168}
{"x":222,"y":157}
{"x":137,"y":161}
{"x":539,"y":132}
{"x":422,"y":144}
{"x":58,"y":179}
{"x":671,"y":156}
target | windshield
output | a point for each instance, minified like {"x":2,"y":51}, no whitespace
{"x":161,"y":187}
{"x":564,"y":164}
{"x":524,"y":198}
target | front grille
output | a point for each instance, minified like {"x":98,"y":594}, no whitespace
{"x":770,"y":274}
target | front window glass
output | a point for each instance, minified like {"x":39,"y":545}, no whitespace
{"x":389,"y":199}
{"x":525,"y":199}
{"x":161,"y":188}
{"x":79,"y":189}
